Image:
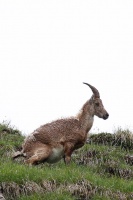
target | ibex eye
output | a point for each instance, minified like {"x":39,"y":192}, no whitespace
{"x":97,"y":104}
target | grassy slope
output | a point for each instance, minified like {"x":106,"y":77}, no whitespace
{"x":99,"y":170}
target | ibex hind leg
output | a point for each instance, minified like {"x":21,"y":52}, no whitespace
{"x":40,"y":155}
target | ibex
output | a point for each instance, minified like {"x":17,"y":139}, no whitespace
{"x":58,"y":139}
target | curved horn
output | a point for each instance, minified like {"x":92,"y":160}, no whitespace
{"x":94,"y":90}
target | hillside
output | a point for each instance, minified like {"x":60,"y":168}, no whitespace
{"x":101,"y":170}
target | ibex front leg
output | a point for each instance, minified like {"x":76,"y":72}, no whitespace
{"x":68,"y":149}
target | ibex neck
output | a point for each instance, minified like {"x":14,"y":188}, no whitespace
{"x":86,"y":116}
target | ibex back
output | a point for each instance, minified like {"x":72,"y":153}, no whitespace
{"x":58,"y":139}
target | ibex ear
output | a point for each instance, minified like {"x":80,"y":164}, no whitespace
{"x":92,"y":99}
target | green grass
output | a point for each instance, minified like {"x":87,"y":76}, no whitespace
{"x":99,"y":171}
{"x":49,"y":196}
{"x":13,"y":172}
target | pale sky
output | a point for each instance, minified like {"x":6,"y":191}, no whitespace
{"x":48,"y":48}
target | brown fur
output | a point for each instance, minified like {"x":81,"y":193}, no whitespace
{"x":58,"y":139}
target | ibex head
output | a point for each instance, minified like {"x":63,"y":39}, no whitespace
{"x":99,"y":109}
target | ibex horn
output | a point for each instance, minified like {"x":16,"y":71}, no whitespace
{"x":94,"y":90}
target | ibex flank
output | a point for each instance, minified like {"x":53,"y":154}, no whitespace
{"x":58,"y":139}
